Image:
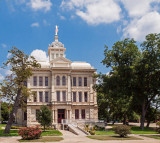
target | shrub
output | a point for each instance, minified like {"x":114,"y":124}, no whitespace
{"x":158,"y":130}
{"x":122,"y":130}
{"x":92,"y":132}
{"x":29,"y":133}
{"x":158,"y":123}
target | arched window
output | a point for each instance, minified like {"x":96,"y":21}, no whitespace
{"x":63,"y":80}
{"x":57,"y":80}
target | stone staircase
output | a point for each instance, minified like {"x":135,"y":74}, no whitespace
{"x":76,"y":130}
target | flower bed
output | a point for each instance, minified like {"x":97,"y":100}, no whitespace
{"x":29,"y":133}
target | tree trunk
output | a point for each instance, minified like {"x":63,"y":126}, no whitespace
{"x":124,"y":120}
{"x":44,"y":128}
{"x":14,"y":110}
{"x":148,"y":123}
{"x":143,"y":116}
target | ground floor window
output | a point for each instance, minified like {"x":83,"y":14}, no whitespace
{"x":76,"y":113}
{"x":83,"y":114}
{"x":37,"y":111}
{"x":25,"y":115}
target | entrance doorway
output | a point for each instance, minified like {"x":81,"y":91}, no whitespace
{"x":61,"y":115}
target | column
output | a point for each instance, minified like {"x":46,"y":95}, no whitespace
{"x":66,"y":114}
{"x":52,"y":88}
{"x":56,"y":116}
{"x":53,"y":116}
{"x":69,"y":88}
{"x":91,"y":90}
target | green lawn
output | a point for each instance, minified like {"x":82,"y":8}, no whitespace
{"x":152,"y":136}
{"x":104,"y":132}
{"x":44,"y":139}
{"x":137,"y":130}
{"x":134,"y":130}
{"x":51,"y":133}
{"x":15,"y":132}
{"x":113,"y":138}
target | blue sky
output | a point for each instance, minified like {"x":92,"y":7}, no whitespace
{"x":85,"y":26}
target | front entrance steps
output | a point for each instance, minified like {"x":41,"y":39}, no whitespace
{"x":76,"y":130}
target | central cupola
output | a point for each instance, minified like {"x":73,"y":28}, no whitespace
{"x":56,"y":49}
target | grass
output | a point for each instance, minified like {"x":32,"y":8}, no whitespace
{"x":44,"y":139}
{"x":113,"y":138}
{"x":51,"y":133}
{"x":109,"y":132}
{"x":137,"y":130}
{"x":15,"y":132}
{"x":152,"y":136}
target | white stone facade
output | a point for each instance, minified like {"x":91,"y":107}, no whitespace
{"x":66,"y":87}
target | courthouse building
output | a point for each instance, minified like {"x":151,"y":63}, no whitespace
{"x":66,"y":87}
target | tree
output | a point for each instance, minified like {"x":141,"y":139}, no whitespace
{"x":13,"y":87}
{"x":44,"y":116}
{"x":134,"y":79}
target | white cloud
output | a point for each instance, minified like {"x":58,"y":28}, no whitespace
{"x":4,"y":45}
{"x":36,"y":24}
{"x":61,"y":16}
{"x":1,"y":77}
{"x":40,"y":55}
{"x":137,"y":7}
{"x":94,"y":12}
{"x":40,"y":5}
{"x":8,"y":72}
{"x":8,"y":55}
{"x":139,"y":28}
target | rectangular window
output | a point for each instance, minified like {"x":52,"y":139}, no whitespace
{"x":58,"y":95}
{"x":34,"y":81}
{"x":74,"y":81}
{"x":40,"y":81}
{"x":64,"y":95}
{"x":80,"y":96}
{"x":46,"y":81}
{"x":35,"y":98}
{"x":25,"y":115}
{"x":85,"y":81}
{"x":40,"y":96}
{"x":37,"y":111}
{"x":46,"y":96}
{"x":25,"y":83}
{"x":74,"y":96}
{"x":80,"y":81}
{"x":85,"y":96}
{"x":83,"y":113}
{"x":76,"y":113}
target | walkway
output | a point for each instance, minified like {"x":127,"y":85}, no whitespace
{"x":71,"y":138}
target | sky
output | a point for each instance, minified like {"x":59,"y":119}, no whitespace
{"x":85,"y":26}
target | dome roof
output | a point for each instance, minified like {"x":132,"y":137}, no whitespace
{"x":81,"y":65}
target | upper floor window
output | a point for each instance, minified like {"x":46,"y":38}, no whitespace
{"x":74,"y":81}
{"x":25,"y":83}
{"x":40,"y":96}
{"x":58,"y":95}
{"x":64,"y":95}
{"x":85,"y":96}
{"x":57,"y":80}
{"x":80,"y":96}
{"x":35,"y":98}
{"x":63,"y":80}
{"x":80,"y":81}
{"x":76,"y":113}
{"x":40,"y":81}
{"x":85,"y":81}
{"x":46,"y":96}
{"x":34,"y":81}
{"x":46,"y":81}
{"x":74,"y":96}
{"x":83,"y":113}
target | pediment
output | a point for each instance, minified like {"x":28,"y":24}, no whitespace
{"x":61,"y":60}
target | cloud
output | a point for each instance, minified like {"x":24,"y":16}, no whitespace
{"x":94,"y":12}
{"x":139,"y":28}
{"x":4,"y":45}
{"x":40,"y":5}
{"x":36,"y":24}
{"x":40,"y":55}
{"x":8,"y":55}
{"x":61,"y":16}
{"x":8,"y":72}
{"x":1,"y":77}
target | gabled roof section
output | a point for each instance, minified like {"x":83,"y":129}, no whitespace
{"x":60,"y":62}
